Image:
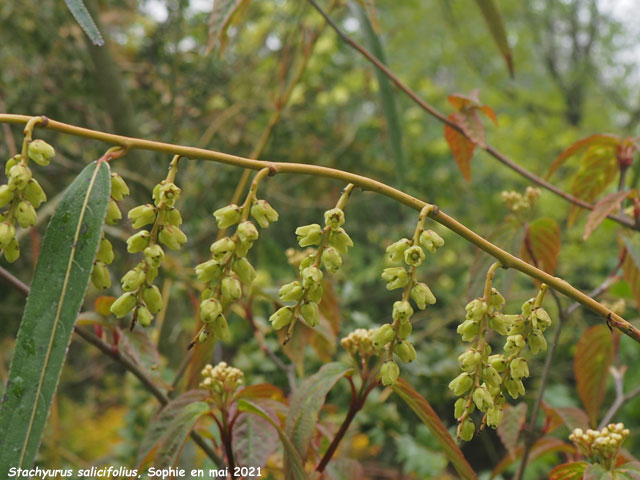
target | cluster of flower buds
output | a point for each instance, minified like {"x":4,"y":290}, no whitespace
{"x":228,"y":269}
{"x":359,"y":343}
{"x":141,"y":295}
{"x":21,"y":196}
{"x":485,"y":377}
{"x":221,"y":380}
{"x":518,"y":203}
{"x":100,"y":276}
{"x":307,"y":291}
{"x":601,"y":445}
{"x":393,"y":337}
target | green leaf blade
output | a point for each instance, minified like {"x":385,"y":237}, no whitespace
{"x":57,"y":290}
{"x":492,"y":16}
{"x":83,"y":17}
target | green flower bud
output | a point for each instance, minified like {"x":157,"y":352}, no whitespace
{"x":402,"y":311}
{"x":515,"y":343}
{"x":12,"y":252}
{"x":466,"y":430}
{"x":340,"y":240}
{"x":33,"y":192}
{"x":482,"y":398}
{"x":144,"y":316}
{"x":210,"y":310}
{"x":431,"y":241}
{"x":540,"y":319}
{"x":119,"y":188}
{"x":13,"y":161}
{"x":518,"y":325}
{"x":311,"y":276}
{"x":496,"y":301}
{"x":166,"y":193}
{"x":404,"y":330}
{"x":100,"y":276}
{"x":527,"y":307}
{"x":514,"y":387}
{"x":152,"y":273}
{"x":311,"y":313}
{"x":491,"y":376}
{"x":281,"y":318}
{"x":227,"y":216}
{"x":468,"y":330}
{"x":396,"y":277}
{"x":263,"y":213}
{"x":382,"y":336}
{"x":7,"y":234}
{"x":469,"y":360}
{"x":537,"y":342}
{"x":105,"y":251}
{"x":142,"y":215}
{"x":414,"y":256}
{"x":19,"y":175}
{"x":519,"y":368}
{"x":172,"y":237}
{"x":334,"y":218}
{"x":331,"y":260}
{"x":26,"y":214}
{"x":307,"y":262}
{"x":498,"y":362}
{"x":309,"y":235}
{"x":421,"y":294}
{"x":498,"y":323}
{"x":209,"y":270}
{"x":494,"y":416}
{"x":138,"y":242}
{"x":461,"y":384}
{"x":314,"y":294}
{"x":40,"y":152}
{"x":494,"y":390}
{"x":153,"y":298}
{"x":124,"y":304}
{"x":291,"y":292}
{"x":113,"y":213}
{"x":243,"y":248}
{"x":6,"y":195}
{"x":244,"y":270}
{"x":405,"y":351}
{"x":458,"y":409}
{"x":223,"y":249}
{"x":221,"y":328}
{"x":133,"y":279}
{"x":172,"y":217}
{"x":202,"y":337}
{"x":154,"y":255}
{"x":231,"y":289}
{"x":247,"y":232}
{"x":396,"y":250}
{"x":389,"y":373}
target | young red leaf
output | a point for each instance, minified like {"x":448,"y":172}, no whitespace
{"x":604,"y":207}
{"x":600,"y":139}
{"x":512,"y":423}
{"x":430,"y":418}
{"x":571,"y":417}
{"x":568,"y":471}
{"x":541,"y":244}
{"x":594,"y":356}
{"x":541,"y":447}
{"x":461,"y":147}
{"x":631,"y":268}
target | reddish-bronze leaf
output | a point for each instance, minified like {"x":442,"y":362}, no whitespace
{"x":568,"y":471}
{"x":571,"y":417}
{"x":631,"y":268}
{"x":102,"y":305}
{"x":604,"y":207}
{"x":541,"y":244}
{"x":461,"y":147}
{"x":600,"y":139}
{"x":511,"y":425}
{"x":488,"y":111}
{"x":261,"y":390}
{"x":541,"y":447}
{"x":594,"y":356}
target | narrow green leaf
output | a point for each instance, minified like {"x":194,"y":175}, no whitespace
{"x":307,"y":401}
{"x":430,"y":418}
{"x":177,"y":432}
{"x":58,"y":287}
{"x":386,"y":91}
{"x":83,"y":17}
{"x":597,"y":472}
{"x":492,"y":16}
{"x":254,"y":439}
{"x":294,"y":469}
{"x":223,"y":14}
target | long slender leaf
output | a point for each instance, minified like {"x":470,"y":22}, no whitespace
{"x":58,"y":287}
{"x":83,"y":17}
{"x":492,"y":16}
{"x":430,"y":418}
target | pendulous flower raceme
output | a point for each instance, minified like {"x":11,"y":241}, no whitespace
{"x":392,"y":338}
{"x":21,"y":195}
{"x":486,"y":378}
{"x":141,"y":295}
{"x":331,"y":242}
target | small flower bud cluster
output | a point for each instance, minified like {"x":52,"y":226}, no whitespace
{"x":100,"y":276}
{"x":332,"y":241}
{"x":518,"y":203}
{"x":485,"y":378}
{"x":228,"y":269}
{"x":141,"y":295}
{"x":359,"y":342}
{"x":393,"y":337}
{"x":221,"y":380}
{"x":601,"y":446}
{"x":21,"y":196}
